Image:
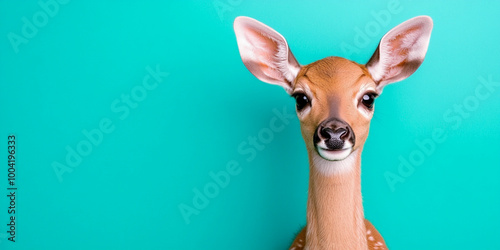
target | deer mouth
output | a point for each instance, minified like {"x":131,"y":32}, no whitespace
{"x":334,"y":154}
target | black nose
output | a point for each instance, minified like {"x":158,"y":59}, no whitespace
{"x":334,"y":133}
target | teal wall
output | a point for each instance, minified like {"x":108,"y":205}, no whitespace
{"x":124,"y":112}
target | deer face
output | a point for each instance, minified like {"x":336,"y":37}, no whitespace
{"x":334,"y":102}
{"x":334,"y":96}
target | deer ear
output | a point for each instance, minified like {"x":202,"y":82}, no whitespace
{"x":265,"y":53}
{"x":401,"y":51}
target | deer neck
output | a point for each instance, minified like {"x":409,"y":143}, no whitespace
{"x":335,"y":218}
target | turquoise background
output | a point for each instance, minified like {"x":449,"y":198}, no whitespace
{"x":126,"y":192}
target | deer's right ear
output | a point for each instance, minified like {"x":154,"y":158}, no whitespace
{"x":265,"y":53}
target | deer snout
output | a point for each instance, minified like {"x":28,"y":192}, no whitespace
{"x":334,"y":135}
{"x":334,"y":139}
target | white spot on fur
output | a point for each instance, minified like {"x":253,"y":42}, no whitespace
{"x":328,"y":168}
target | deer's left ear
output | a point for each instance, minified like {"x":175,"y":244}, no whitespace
{"x":401,"y":51}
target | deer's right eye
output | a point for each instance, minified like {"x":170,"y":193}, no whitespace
{"x":301,"y":101}
{"x":368,"y":99}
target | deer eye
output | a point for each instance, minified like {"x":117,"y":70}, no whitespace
{"x":301,"y":101}
{"x":368,"y":99}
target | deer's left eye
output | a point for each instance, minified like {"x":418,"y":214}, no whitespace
{"x":368,"y":100}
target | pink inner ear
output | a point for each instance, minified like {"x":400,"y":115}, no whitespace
{"x":401,"y":51}
{"x":265,"y":53}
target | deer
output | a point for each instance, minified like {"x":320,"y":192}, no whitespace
{"x":334,"y":99}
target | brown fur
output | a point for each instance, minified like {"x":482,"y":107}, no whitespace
{"x":335,"y":218}
{"x":334,"y":86}
{"x":334,"y":82}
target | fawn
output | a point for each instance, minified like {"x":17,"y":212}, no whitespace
{"x":334,"y":103}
